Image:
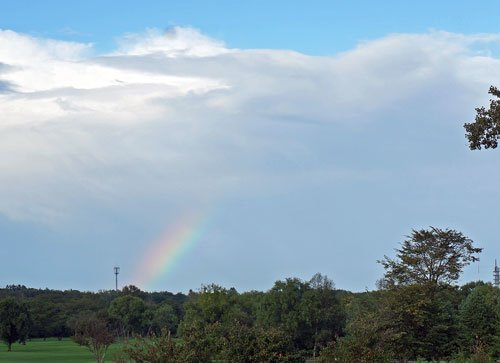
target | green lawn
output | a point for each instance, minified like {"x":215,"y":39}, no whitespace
{"x":51,"y":350}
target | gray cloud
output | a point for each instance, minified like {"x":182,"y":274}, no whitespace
{"x":182,"y":116}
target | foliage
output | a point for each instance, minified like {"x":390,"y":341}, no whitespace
{"x":220,"y":324}
{"x":94,"y":334}
{"x":154,"y":348}
{"x":365,"y":339}
{"x":324,"y":312}
{"x":420,"y":308}
{"x":480,"y":319}
{"x":275,"y":345}
{"x":434,"y":256}
{"x":133,"y":291}
{"x":52,"y":311}
{"x":199,"y":342}
{"x":127,"y":314}
{"x":51,"y":316}
{"x":309,"y":312}
{"x":163,"y":316}
{"x":479,"y":355}
{"x":348,"y":351}
{"x":238,"y":344}
{"x":485,"y":130}
{"x":209,"y":317}
{"x":420,"y":321}
{"x":14,"y":321}
{"x":416,"y":314}
{"x":282,"y":307}
{"x":215,"y":304}
{"x":252,"y":344}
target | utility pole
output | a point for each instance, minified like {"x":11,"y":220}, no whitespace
{"x":117,"y":271}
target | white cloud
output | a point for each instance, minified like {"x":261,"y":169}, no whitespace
{"x":21,"y":49}
{"x":180,"y":114}
{"x":177,"y":42}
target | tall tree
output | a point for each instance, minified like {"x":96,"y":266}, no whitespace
{"x":418,"y":306}
{"x":14,"y":321}
{"x":431,"y":255}
{"x":485,"y":130}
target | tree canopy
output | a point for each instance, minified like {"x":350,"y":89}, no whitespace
{"x":430,"y":256}
{"x":485,"y":130}
{"x":14,"y":321}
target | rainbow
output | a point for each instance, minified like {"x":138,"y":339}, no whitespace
{"x":163,"y":256}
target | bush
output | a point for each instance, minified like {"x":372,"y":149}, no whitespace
{"x":152,"y":349}
{"x":94,"y":334}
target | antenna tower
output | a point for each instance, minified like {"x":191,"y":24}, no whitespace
{"x":117,"y":271}
{"x":496,"y":275}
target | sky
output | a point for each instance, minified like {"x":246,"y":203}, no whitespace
{"x":195,"y":142}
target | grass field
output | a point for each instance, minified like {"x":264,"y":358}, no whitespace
{"x":51,"y":350}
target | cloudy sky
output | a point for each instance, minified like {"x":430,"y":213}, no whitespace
{"x":304,"y":136}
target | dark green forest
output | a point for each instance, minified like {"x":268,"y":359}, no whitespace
{"x":418,"y":311}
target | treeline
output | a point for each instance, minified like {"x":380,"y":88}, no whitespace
{"x":294,"y":320}
{"x":52,"y":313}
{"x":417,"y":312}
